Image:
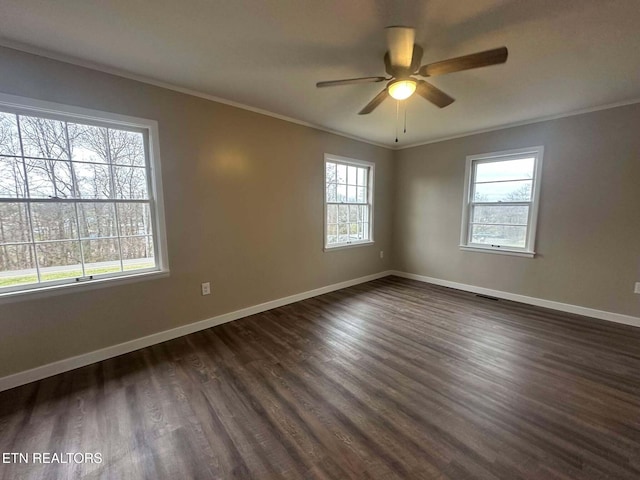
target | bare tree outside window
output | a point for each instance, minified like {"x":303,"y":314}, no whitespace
{"x":501,"y":200}
{"x":347,"y":202}
{"x":74,"y":201}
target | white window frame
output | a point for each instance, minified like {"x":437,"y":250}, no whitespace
{"x":330,"y":158}
{"x":28,"y":106}
{"x":465,"y":242}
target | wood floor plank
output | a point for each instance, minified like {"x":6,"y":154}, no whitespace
{"x":392,"y":379}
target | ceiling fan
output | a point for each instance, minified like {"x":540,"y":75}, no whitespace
{"x":402,"y":62}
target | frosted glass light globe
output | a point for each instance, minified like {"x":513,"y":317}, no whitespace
{"x":402,"y":89}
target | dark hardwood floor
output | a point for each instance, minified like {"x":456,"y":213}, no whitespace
{"x":392,"y":379}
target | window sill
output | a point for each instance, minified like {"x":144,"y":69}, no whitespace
{"x":342,"y":246}
{"x":53,"y":290}
{"x":501,"y":251}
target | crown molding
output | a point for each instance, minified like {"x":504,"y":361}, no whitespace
{"x":4,"y":42}
{"x":522,"y":123}
{"x":41,"y":52}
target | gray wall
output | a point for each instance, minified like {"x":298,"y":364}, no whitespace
{"x":588,"y":238}
{"x":244,"y":210}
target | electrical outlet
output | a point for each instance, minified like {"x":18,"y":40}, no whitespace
{"x":637,"y":289}
{"x":206,"y":288}
{"x":381,"y":254}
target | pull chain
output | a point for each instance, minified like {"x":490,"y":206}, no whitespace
{"x":405,"y":118}
{"x":397,"y":118}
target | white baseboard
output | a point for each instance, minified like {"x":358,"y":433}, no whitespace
{"x":539,"y":302}
{"x":78,"y":361}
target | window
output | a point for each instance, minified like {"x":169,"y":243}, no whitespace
{"x":78,"y":196}
{"x":348,"y":202}
{"x":501,"y":201}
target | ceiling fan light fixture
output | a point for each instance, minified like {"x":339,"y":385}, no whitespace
{"x":402,"y":89}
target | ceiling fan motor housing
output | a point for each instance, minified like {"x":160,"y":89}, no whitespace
{"x":397,"y":71}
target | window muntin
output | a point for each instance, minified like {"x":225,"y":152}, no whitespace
{"x":501,"y":198}
{"x":76,"y":200}
{"x":348,"y":202}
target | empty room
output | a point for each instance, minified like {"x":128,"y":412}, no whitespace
{"x":282,"y":239}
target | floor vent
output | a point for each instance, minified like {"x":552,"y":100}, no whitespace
{"x":488,"y":297}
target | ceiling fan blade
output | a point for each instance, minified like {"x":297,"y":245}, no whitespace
{"x":350,"y":81}
{"x":373,"y":104}
{"x":433,"y":94}
{"x":416,"y":58}
{"x":400,"y":42}
{"x":467,"y":62}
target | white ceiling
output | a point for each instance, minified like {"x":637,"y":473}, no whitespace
{"x":565,"y":55}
